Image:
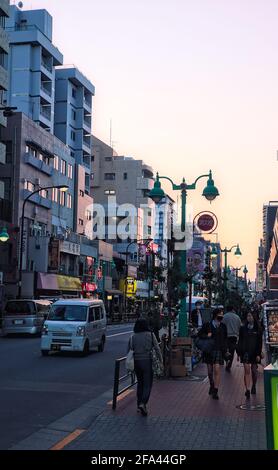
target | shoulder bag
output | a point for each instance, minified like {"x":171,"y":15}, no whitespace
{"x":129,"y":362}
{"x":158,"y":369}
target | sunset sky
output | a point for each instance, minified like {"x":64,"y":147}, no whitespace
{"x":190,"y":85}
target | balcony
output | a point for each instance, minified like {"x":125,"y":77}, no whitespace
{"x":87,"y":103}
{"x":145,"y":183}
{"x":45,"y":88}
{"x":3,"y":78}
{"x":39,"y":164}
{"x":4,"y":41}
{"x":45,"y":111}
{"x":47,"y":66}
{"x":37,"y":199}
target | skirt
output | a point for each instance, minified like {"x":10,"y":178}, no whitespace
{"x":248,"y":358}
{"x":215,"y":357}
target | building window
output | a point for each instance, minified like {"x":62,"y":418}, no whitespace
{"x":109,"y":176}
{"x":88,"y":215}
{"x":110,"y":192}
{"x":56,"y":162}
{"x":69,"y":201}
{"x":55,"y":195}
{"x":9,"y":151}
{"x":29,"y":186}
{"x":92,"y":158}
{"x":44,"y":193}
{"x":81,"y":193}
{"x":73,"y":92}
{"x":145,"y":192}
{"x":81,"y":222}
{"x":149,"y":212}
{"x":149,"y":230}
{"x":62,"y":198}
{"x":108,"y":159}
{"x":73,"y":115}
{"x":72,"y":136}
{"x":70,"y":171}
{"x":72,"y":154}
{"x":125,"y":176}
{"x":63,"y":167}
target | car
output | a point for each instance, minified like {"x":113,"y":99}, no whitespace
{"x":25,"y":316}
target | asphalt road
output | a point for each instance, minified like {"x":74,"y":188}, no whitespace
{"x":36,"y":390}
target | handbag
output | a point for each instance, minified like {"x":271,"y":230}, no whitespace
{"x":129,"y":362}
{"x":205,"y":345}
{"x":157,"y":367}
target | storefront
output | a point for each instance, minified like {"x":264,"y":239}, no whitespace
{"x":113,"y":303}
{"x":51,"y":285}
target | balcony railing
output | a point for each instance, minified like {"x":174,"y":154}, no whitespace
{"x":47,"y":66}
{"x":46,"y":112}
{"x":46,"y":90}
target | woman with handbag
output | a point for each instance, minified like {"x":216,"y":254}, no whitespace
{"x":215,"y":349}
{"x":142,"y":342}
{"x":249,"y":350}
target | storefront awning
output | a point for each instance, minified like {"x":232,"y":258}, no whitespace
{"x":58,"y":282}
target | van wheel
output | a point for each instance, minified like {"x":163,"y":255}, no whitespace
{"x":101,"y":345}
{"x":44,"y":352}
{"x":86,"y":348}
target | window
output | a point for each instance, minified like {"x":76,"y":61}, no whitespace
{"x":55,"y":195}
{"x":29,"y":186}
{"x":72,"y":136}
{"x":44,"y":193}
{"x":73,"y":92}
{"x":73,"y":115}
{"x":69,"y":201}
{"x":56,"y":162}
{"x":88,"y":215}
{"x":72,"y":153}
{"x":9,"y":151}
{"x":91,"y":314}
{"x":108,"y":159}
{"x":70,"y":171}
{"x":92,"y":158}
{"x":62,"y":198}
{"x":125,"y":176}
{"x":109,"y":176}
{"x":81,"y":193}
{"x":145,"y":192}
{"x":110,"y":192}
{"x":63,"y":167}
{"x":97,"y":313}
{"x":149,"y":230}
{"x":80,"y":222}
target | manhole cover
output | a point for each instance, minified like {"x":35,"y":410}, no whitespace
{"x":191,"y":378}
{"x":247,"y":407}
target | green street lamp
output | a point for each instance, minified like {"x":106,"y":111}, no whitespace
{"x":157,"y":195}
{"x":4,"y":236}
{"x":237,"y":253}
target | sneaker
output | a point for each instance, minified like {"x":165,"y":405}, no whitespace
{"x":253,"y":390}
{"x":143,"y":409}
{"x":247,"y":394}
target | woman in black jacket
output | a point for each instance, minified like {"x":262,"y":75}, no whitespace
{"x":217,"y":332}
{"x":249,"y":349}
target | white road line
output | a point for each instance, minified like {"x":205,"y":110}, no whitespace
{"x":120,"y":334}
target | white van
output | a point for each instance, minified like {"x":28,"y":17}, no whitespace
{"x":74,"y":325}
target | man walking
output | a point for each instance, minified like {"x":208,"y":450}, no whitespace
{"x":233,"y":324}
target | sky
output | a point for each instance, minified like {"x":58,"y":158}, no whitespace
{"x":190,"y":85}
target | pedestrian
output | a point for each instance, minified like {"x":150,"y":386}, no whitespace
{"x":142,"y":342}
{"x":233,"y":324}
{"x":217,"y":332}
{"x":196,"y":315}
{"x":249,"y":350}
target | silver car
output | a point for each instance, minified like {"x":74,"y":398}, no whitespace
{"x":25,"y":316}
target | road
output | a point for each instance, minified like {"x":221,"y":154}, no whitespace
{"x":36,"y":390}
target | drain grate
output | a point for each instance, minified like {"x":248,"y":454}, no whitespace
{"x":247,"y":407}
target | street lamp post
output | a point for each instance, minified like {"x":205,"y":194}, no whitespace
{"x":245,"y":271}
{"x":237,"y":253}
{"x":62,"y":188}
{"x":157,"y":194}
{"x":145,"y":242}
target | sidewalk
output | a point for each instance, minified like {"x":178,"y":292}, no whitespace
{"x":182,"y":416}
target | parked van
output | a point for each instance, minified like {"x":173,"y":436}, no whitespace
{"x":25,"y":316}
{"x":74,"y":325}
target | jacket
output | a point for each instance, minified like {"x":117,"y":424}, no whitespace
{"x":250,"y":341}
{"x":142,"y":344}
{"x":218,"y":334}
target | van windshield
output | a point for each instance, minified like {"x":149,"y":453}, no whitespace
{"x":68,"y":313}
{"x":20,"y":308}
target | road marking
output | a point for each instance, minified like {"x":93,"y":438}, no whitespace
{"x":122,"y":396}
{"x":120,"y":334}
{"x":67,"y":440}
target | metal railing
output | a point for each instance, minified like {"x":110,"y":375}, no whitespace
{"x":118,"y":380}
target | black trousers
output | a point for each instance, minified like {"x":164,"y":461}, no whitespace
{"x":232,"y":341}
{"x":144,"y":374}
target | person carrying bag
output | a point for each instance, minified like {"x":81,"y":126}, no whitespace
{"x":143,"y":343}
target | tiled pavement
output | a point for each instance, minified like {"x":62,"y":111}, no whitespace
{"x":182,"y":416}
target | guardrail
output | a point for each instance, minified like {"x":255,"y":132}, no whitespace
{"x":118,"y":380}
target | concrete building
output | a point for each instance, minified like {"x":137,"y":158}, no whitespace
{"x":4,"y":51}
{"x":73,"y":115}
{"x":32,"y":62}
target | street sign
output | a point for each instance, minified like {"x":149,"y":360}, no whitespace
{"x":206,"y":222}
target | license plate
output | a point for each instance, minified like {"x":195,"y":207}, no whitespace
{"x":18,"y":322}
{"x":55,"y":347}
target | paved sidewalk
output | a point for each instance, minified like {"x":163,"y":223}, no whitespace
{"x":182,"y":416}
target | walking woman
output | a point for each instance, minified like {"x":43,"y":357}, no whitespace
{"x":142,"y":343}
{"x":249,"y":349}
{"x":217,"y":332}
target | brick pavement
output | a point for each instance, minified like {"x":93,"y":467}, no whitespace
{"x":182,"y":416}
